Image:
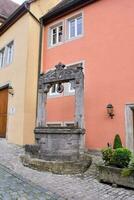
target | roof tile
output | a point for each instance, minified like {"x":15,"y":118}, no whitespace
{"x":7,"y":7}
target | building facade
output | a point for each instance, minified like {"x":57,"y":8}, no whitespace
{"x":19,"y":55}
{"x":98,"y":34}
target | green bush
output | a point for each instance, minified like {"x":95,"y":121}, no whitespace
{"x":117,"y":142}
{"x":128,"y":171}
{"x":121,"y":157}
{"x":107,"y":155}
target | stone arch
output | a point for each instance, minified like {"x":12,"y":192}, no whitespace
{"x":62,"y":74}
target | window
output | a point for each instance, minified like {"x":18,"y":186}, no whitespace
{"x":9,"y":53}
{"x":53,"y":91}
{"x":2,"y":54}
{"x":6,"y":55}
{"x":56,"y":35}
{"x":70,"y":88}
{"x":75,"y":27}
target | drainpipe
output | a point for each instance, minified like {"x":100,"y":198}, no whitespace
{"x":39,"y":63}
{"x":40,"y":22}
{"x":27,"y":8}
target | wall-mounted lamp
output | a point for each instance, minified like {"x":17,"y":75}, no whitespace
{"x":110,"y":110}
{"x":11,"y":90}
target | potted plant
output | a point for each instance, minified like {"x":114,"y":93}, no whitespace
{"x":118,"y":166}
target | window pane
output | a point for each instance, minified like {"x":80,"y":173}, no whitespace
{"x":54,"y":89}
{"x":79,"y":25}
{"x":54,"y":39}
{"x":60,"y":34}
{"x":70,"y":86}
{"x":2,"y":52}
{"x":9,"y":57}
{"x":54,"y":36}
{"x":72,"y":28}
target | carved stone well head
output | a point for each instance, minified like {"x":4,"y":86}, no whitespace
{"x":60,"y":144}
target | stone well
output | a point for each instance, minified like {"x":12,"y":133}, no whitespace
{"x":59,"y":149}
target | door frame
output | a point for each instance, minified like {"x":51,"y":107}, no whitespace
{"x":2,"y":87}
{"x":129,"y":125}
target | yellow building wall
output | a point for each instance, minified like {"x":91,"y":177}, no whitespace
{"x":15,"y":75}
{"x":23,"y":72}
{"x":38,"y":8}
{"x":31,"y":82}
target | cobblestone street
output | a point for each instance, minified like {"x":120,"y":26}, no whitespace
{"x":19,"y":182}
{"x":13,"y":186}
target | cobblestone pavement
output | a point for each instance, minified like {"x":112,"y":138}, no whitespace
{"x":80,"y":187}
{"x":14,"y":187}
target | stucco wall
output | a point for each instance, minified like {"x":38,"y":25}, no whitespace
{"x":31,"y":81}
{"x":107,"y":48}
{"x":15,"y":75}
{"x":38,"y":8}
{"x":22,"y":73}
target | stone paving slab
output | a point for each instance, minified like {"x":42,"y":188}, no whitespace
{"x":14,"y":187}
{"x":78,"y":187}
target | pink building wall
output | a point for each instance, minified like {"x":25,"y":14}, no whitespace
{"x":107,"y":47}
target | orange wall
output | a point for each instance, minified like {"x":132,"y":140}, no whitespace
{"x":108,"y":50}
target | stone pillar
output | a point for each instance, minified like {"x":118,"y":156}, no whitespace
{"x":41,"y":115}
{"x":79,"y":108}
{"x":79,"y":102}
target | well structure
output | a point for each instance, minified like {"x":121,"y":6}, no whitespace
{"x":59,"y":149}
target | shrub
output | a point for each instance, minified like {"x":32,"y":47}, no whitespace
{"x":128,"y":171}
{"x":121,"y":157}
{"x":117,"y":142}
{"x":107,"y":155}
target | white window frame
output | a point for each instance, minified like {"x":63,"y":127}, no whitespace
{"x":9,"y":60}
{"x":54,"y":94}
{"x":5,"y":57}
{"x":68,"y":31}
{"x":2,"y":61}
{"x":68,"y":91}
{"x":50,"y":32}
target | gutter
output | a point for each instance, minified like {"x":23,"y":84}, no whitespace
{"x":26,"y":4}
{"x":65,"y":9}
{"x":40,"y":22}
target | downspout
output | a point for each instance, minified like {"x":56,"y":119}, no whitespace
{"x":39,"y":63}
{"x":40,"y":22}
{"x":33,"y":16}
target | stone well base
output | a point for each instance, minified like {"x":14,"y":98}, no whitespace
{"x":58,"y":167}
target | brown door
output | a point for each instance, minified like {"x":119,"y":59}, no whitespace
{"x":3,"y":111}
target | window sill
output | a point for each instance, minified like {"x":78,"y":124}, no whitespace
{"x":74,"y":38}
{"x":56,"y":45}
{"x":66,"y":41}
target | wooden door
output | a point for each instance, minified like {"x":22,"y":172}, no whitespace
{"x":3,"y":111}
